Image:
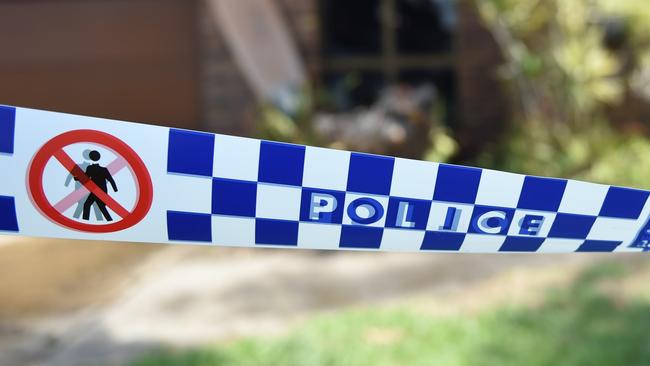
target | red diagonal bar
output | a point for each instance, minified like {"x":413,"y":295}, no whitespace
{"x":74,"y":169}
{"x":65,"y":203}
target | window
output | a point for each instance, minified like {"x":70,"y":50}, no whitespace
{"x":369,"y":44}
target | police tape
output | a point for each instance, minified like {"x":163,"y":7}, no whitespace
{"x":77,"y":177}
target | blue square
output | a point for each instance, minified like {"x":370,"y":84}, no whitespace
{"x":370,"y":173}
{"x":625,"y":203}
{"x":190,"y":152}
{"x":233,"y":197}
{"x":521,"y":244}
{"x":543,"y":194}
{"x":8,"y":220}
{"x":407,"y":213}
{"x":571,"y":226}
{"x":442,"y":240}
{"x":281,"y":163}
{"x":457,"y":184}
{"x":354,"y":236}
{"x":491,"y":220}
{"x":189,"y":226}
{"x":276,"y":232}
{"x":7,"y":129}
{"x":322,"y":205}
{"x":598,"y":246}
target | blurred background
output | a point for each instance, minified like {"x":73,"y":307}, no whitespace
{"x":544,"y":87}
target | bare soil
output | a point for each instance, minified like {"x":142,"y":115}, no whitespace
{"x":40,"y":277}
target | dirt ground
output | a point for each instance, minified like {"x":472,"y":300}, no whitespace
{"x":84,"y":303}
{"x":40,"y":277}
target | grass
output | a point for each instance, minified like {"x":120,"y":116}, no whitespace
{"x":584,"y":324}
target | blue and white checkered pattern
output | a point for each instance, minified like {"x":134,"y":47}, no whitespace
{"x":245,"y":192}
{"x":8,"y":219}
{"x":642,"y":241}
{"x":261,"y":193}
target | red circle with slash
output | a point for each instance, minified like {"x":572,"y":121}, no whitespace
{"x":54,"y":149}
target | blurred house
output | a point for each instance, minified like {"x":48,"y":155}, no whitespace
{"x":168,"y":62}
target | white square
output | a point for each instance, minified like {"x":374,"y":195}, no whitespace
{"x":542,"y":227}
{"x":233,"y":231}
{"x":236,"y":158}
{"x":413,"y":179}
{"x":606,"y":228}
{"x":7,"y":165}
{"x":499,"y":188}
{"x":439,"y":212}
{"x":402,"y":240}
{"x":478,"y":243}
{"x":278,"y":202}
{"x":364,"y":210}
{"x":318,"y":236}
{"x":625,"y":248}
{"x":326,"y":168}
{"x":189,"y":193}
{"x":553,"y":245}
{"x":583,"y":198}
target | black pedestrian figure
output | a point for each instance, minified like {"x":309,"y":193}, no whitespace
{"x":99,"y":175}
{"x":77,"y":185}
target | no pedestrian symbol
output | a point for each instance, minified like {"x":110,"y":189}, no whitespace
{"x":91,"y":191}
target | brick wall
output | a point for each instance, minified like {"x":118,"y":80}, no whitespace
{"x":227,"y":104}
{"x":302,"y":19}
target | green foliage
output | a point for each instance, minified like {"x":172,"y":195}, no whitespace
{"x":443,"y":146}
{"x":636,"y":14}
{"x":273,"y":124}
{"x":563,"y":78}
{"x":627,"y":164}
{"x":599,"y":154}
{"x":555,"y":55}
{"x":582,"y":324}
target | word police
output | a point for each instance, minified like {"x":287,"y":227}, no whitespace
{"x":340,"y":208}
